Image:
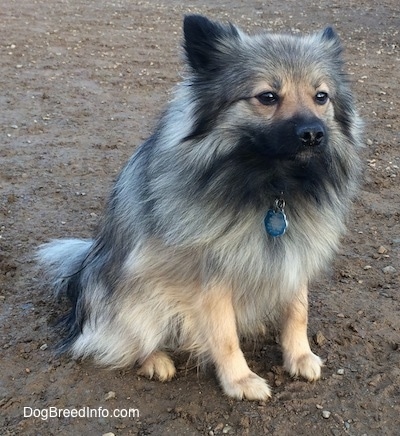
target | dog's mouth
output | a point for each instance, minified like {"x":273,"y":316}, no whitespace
{"x":307,"y":154}
{"x":302,"y":155}
{"x":298,"y":139}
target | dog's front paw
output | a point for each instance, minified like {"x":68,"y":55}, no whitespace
{"x":251,"y":387}
{"x":158,"y":365}
{"x":307,"y":365}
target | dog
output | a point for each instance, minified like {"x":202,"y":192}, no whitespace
{"x":219,"y":221}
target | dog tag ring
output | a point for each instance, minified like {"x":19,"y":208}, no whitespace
{"x":275,"y":221}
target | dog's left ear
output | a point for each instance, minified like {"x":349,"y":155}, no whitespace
{"x":331,"y":41}
{"x":206,"y":42}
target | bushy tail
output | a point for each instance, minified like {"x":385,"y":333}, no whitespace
{"x":63,"y":259}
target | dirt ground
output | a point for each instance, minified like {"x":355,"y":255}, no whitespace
{"x":81,"y":85}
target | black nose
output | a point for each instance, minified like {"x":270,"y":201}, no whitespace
{"x":311,"y":133}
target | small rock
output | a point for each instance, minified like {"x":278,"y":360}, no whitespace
{"x":226,"y":429}
{"x":319,"y":339}
{"x":110,"y":433}
{"x":338,"y":419}
{"x":340,"y":315}
{"x":340,"y":371}
{"x":367,"y":267}
{"x":326,"y":414}
{"x":109,"y":395}
{"x":382,"y":250}
{"x":219,"y":427}
{"x":389,"y":269}
{"x":43,"y":347}
{"x":318,"y":406}
{"x":245,"y":422}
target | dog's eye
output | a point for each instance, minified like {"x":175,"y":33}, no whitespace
{"x":267,"y":98}
{"x":321,"y":97}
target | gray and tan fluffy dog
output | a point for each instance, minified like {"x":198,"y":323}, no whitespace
{"x":219,"y":221}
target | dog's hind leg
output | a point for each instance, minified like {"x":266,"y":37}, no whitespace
{"x":158,"y":365}
{"x":217,"y":320}
{"x":298,"y":359}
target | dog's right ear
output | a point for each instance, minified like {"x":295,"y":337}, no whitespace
{"x":204,"y":42}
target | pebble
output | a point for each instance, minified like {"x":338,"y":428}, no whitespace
{"x":110,"y":433}
{"x":226,"y":429}
{"x":109,"y":395}
{"x":338,"y":419}
{"x":326,"y":414}
{"x":43,"y":347}
{"x":319,"y":339}
{"x":389,"y":269}
{"x":340,"y":371}
{"x":219,"y":427}
{"x":367,"y":267}
{"x":382,"y":250}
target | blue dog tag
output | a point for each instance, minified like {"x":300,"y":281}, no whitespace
{"x":275,"y":222}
